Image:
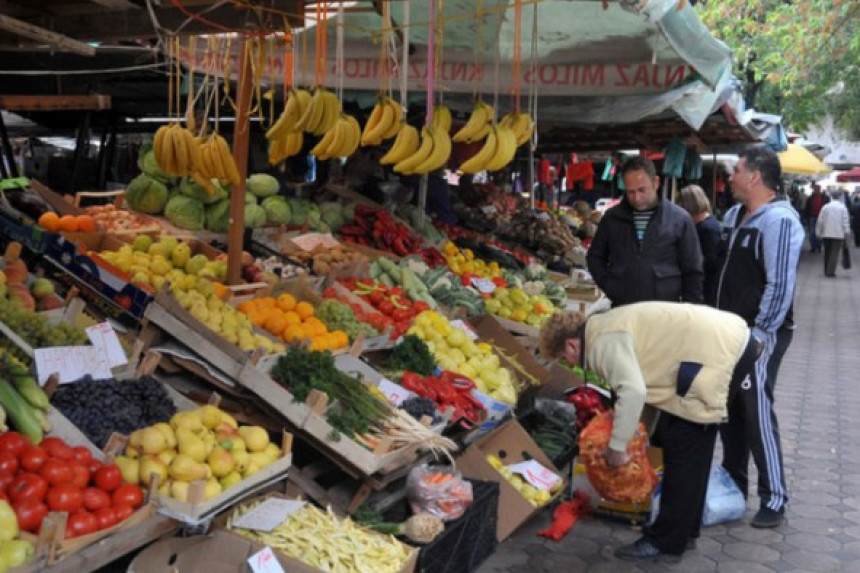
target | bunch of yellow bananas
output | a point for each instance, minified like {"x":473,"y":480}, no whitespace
{"x":498,"y":151}
{"x":384,"y":122}
{"x":521,"y":124}
{"x":320,"y":114}
{"x":216,"y":162}
{"x":340,"y":141}
{"x":176,"y":151}
{"x":285,"y":140}
{"x":478,"y":125}
{"x":433,"y":153}
{"x":405,"y":144}
{"x":287,"y":146}
{"x":442,"y":118}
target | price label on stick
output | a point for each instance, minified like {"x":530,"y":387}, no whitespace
{"x":535,"y":474}
{"x":465,"y":328}
{"x":396,"y":394}
{"x":269,"y":514}
{"x":104,"y":337}
{"x":484,"y":285}
{"x":264,"y":561}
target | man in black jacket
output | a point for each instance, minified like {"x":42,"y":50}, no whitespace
{"x":646,"y":248}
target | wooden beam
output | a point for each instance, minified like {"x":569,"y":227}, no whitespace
{"x":116,"y":4}
{"x":60,"y":42}
{"x":95,"y":102}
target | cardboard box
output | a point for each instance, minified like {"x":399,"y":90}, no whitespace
{"x":512,"y":444}
{"x":219,"y":552}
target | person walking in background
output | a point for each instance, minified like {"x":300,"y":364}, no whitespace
{"x":854,"y":211}
{"x":762,"y":238}
{"x":646,"y":248}
{"x":833,"y":227}
{"x":811,"y":209}
{"x":692,"y":198}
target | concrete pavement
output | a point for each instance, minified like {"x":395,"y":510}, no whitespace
{"x":817,"y":403}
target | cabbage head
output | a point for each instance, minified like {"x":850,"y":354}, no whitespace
{"x":190,"y":188}
{"x":255,"y":216}
{"x":299,"y":209}
{"x":185,"y":213}
{"x":250,"y":199}
{"x":149,"y":166}
{"x":218,"y":216}
{"x":263,"y":185}
{"x":277,"y":210}
{"x":146,"y":195}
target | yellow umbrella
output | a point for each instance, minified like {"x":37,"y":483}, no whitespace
{"x":799,"y":161}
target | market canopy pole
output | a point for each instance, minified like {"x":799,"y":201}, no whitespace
{"x":236,"y":231}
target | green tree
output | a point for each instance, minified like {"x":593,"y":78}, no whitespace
{"x":800,"y":59}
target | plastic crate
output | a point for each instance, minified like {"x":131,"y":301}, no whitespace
{"x":468,"y":541}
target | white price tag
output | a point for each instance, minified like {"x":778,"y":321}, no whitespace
{"x":535,"y":474}
{"x":489,"y":209}
{"x":484,"y":285}
{"x":71,"y":363}
{"x":465,"y":328}
{"x":264,"y":561}
{"x":104,"y":337}
{"x":269,"y":514}
{"x":395,"y":393}
{"x":543,"y":216}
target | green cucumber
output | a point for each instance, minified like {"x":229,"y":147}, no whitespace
{"x":20,"y":412}
{"x":32,"y":392}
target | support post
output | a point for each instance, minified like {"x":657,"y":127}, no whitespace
{"x":241,"y":131}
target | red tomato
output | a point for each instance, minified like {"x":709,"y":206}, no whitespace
{"x":8,"y":462}
{"x":108,"y":477}
{"x":81,"y":523}
{"x":82,"y":454}
{"x":56,"y":472}
{"x":80,"y":474}
{"x":28,"y":486}
{"x":106,"y":517}
{"x":93,"y":465}
{"x":5,"y":480}
{"x":32,"y":458}
{"x":14,"y":442}
{"x":95,"y":499}
{"x":122,"y":512}
{"x":65,"y":497}
{"x":30,"y":513}
{"x":57,"y":448}
{"x":128,"y":494}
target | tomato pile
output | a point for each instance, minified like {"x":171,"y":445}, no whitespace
{"x":54,"y":476}
{"x":448,"y":390}
{"x":374,"y":227}
{"x":391,"y":302}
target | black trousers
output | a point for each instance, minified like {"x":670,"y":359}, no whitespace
{"x":752,"y":427}
{"x":688,"y":448}
{"x":832,"y":250}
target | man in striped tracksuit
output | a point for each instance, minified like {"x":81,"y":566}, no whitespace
{"x":762,"y":237}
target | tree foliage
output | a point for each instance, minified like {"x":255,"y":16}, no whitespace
{"x":800,"y":59}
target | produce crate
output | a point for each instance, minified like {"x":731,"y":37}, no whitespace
{"x":288,"y":563}
{"x":531,"y":420}
{"x":466,"y":542}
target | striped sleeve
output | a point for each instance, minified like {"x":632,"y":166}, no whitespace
{"x":782,"y":240}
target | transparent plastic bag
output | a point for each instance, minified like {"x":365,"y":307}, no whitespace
{"x":438,"y":490}
{"x":724,"y":501}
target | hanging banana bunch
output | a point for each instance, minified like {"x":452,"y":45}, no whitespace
{"x":340,"y":141}
{"x":432,"y":153}
{"x":176,"y":150}
{"x":478,"y":125}
{"x":285,"y":139}
{"x":384,"y":122}
{"x":442,"y":118}
{"x":498,"y":150}
{"x":217,"y":162}
{"x":405,"y":144}
{"x":321,"y":113}
{"x":522,"y":125}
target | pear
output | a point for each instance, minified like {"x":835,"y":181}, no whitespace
{"x":129,"y":467}
{"x":211,"y":489}
{"x":250,"y":470}
{"x":132,"y":452}
{"x":241,"y":459}
{"x":152,"y":464}
{"x":209,"y":442}
{"x":167,"y":456}
{"x":16,"y":552}
{"x":210,"y":416}
{"x":164,"y":487}
{"x":256,"y":438}
{"x":168,"y":432}
{"x":184,"y":468}
{"x":190,"y":445}
{"x":135,"y":439}
{"x":179,"y":490}
{"x":186,"y":420}
{"x":231,"y":479}
{"x":153,"y":441}
{"x":260,"y":459}
{"x":272,"y":451}
{"x":220,"y":462}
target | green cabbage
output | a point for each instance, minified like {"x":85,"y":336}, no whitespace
{"x":190,"y":188}
{"x":277,"y":210}
{"x":185,"y":213}
{"x":255,"y":216}
{"x":250,"y":199}
{"x":263,"y":185}
{"x":218,"y":216}
{"x":299,"y":209}
{"x":146,"y":195}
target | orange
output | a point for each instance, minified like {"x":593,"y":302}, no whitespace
{"x":247,"y":307}
{"x":292,"y":318}
{"x":315,"y":326}
{"x":341,"y":338}
{"x":86,"y":224}
{"x":50,"y":221}
{"x":304,"y":310}
{"x":257,"y":318}
{"x":286,"y":302}
{"x":275,"y":323}
{"x":266,"y":302}
{"x":318,"y":344}
{"x":293,"y":333}
{"x":68,"y":223}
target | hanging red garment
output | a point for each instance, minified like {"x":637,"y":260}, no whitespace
{"x":544,"y":171}
{"x":583,"y":171}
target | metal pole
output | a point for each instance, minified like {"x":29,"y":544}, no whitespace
{"x":7,"y":151}
{"x":422,"y":199}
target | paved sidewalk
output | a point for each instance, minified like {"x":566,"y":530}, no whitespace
{"x":817,"y":406}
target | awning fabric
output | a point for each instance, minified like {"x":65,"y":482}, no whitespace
{"x":852,"y":176}
{"x":797,"y":160}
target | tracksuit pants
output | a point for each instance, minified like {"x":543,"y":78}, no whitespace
{"x":688,"y":448}
{"x":752,"y":427}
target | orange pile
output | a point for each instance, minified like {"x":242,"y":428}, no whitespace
{"x":69,"y":223}
{"x":293,"y":322}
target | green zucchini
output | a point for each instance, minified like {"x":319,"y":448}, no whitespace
{"x":32,"y":392}
{"x":20,"y":412}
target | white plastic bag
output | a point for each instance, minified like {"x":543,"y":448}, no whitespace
{"x":724,"y":501}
